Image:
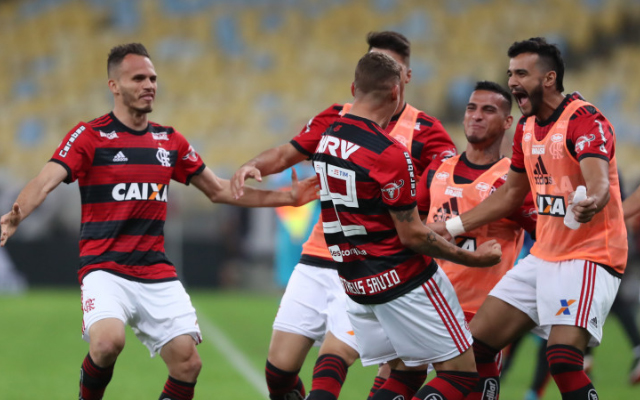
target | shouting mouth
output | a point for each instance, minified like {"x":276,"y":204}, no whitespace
{"x":521,"y":97}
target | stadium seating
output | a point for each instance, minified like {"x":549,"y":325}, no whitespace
{"x":238,"y":76}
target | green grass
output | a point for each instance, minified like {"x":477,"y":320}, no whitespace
{"x":41,"y":352}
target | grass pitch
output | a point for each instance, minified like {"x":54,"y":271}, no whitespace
{"x":41,"y":352}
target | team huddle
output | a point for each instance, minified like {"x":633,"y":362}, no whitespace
{"x":411,"y":264}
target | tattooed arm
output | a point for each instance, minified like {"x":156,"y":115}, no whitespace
{"x":416,"y":236}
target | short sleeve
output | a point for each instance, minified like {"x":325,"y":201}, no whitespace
{"x":76,"y":151}
{"x":396,"y":176}
{"x":517,"y":156}
{"x":307,"y":140}
{"x":590,"y":135}
{"x":188,"y":162}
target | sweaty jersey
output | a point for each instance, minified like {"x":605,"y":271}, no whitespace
{"x":430,"y":143}
{"x":124,"y":177}
{"x":364,"y":174}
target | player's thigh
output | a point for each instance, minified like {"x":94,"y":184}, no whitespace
{"x":287,"y":351}
{"x":163,"y":312}
{"x":338,"y":322}
{"x":303,"y":308}
{"x":373,"y":341}
{"x":105,"y":298}
{"x":426,"y":325}
{"x":464,"y":362}
{"x":335,"y":346}
{"x":579,"y":294}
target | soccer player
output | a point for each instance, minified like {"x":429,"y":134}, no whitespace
{"x":564,"y":289}
{"x":313,"y":306}
{"x":458,"y":184}
{"x":401,"y":305}
{"x":124,"y":163}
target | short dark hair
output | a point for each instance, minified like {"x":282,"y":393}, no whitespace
{"x":118,"y":53}
{"x":389,"y":40}
{"x":377,"y":72}
{"x":549,"y":56}
{"x":496,"y":88}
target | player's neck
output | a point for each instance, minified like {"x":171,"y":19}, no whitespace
{"x":377,"y":112}
{"x":549,"y":105}
{"x":483,"y":155}
{"x":132,"y":119}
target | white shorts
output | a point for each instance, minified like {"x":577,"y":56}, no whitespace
{"x":156,"y":312}
{"x":424,"y":326}
{"x":313,"y":304}
{"x":573,"y":292}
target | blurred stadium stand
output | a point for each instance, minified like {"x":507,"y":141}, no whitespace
{"x":237,"y":76}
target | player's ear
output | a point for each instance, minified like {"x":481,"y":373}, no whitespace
{"x":113,"y":86}
{"x":395,"y":92}
{"x":507,"y":122}
{"x":353,"y":89}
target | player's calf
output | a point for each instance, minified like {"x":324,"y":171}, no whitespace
{"x":449,"y":385}
{"x":566,"y":364}
{"x":400,"y":385}
{"x":329,"y":374}
{"x":93,"y":379}
{"x":284,"y":385}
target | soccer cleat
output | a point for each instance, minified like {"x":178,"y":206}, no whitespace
{"x":634,"y":375}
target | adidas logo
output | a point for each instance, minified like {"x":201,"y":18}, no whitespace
{"x":594,"y":321}
{"x":540,"y":173}
{"x":120,"y":157}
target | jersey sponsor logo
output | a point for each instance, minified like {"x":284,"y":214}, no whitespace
{"x":602,"y":137}
{"x":191,"y":155}
{"x":120,"y":157}
{"x":485,"y":189}
{"x":373,"y":284}
{"x":564,"y":310}
{"x":65,"y":150}
{"x":163,"y":156}
{"x":447,"y":154}
{"x":453,"y":191}
{"x":335,"y":146}
{"x":109,"y":135}
{"x":442,"y":176}
{"x":159,"y":135}
{"x":391,"y":191}
{"x":557,"y":137}
{"x":592,"y":395}
{"x":537,"y":149}
{"x":540,"y":174}
{"x":585,"y":141}
{"x":551,"y":205}
{"x":466,"y":243}
{"x":526,"y":137}
{"x":140,"y":191}
{"x":433,"y":396}
{"x":490,"y":391}
{"x":446,"y":211}
{"x":310,"y":122}
{"x":412,"y":176}
{"x":338,"y":254}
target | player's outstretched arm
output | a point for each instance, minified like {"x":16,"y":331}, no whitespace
{"x":631,"y":205}
{"x":502,"y":203}
{"x":30,"y":198}
{"x":416,"y":236}
{"x":218,"y":190}
{"x":268,"y":162}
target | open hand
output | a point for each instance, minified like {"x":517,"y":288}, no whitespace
{"x":303,"y":191}
{"x":237,"y":181}
{"x":9,"y":223}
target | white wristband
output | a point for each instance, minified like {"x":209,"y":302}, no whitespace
{"x":454,"y":226}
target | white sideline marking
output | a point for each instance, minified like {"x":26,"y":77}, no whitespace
{"x":216,"y":338}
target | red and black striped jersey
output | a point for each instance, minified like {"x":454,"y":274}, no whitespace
{"x":364,"y":173}
{"x":124,"y":177}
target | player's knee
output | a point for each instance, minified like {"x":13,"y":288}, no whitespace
{"x":105,"y":350}
{"x":188,"y":369}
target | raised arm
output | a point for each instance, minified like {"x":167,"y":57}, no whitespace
{"x":268,"y":162}
{"x":416,"y":236}
{"x":218,"y":190}
{"x":30,"y":198}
